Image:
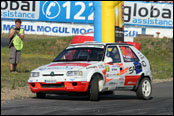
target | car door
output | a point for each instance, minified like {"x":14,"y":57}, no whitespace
{"x":112,"y":69}
{"x":131,"y":66}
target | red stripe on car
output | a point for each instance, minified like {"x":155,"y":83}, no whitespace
{"x":71,"y":64}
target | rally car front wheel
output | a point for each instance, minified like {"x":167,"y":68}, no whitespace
{"x":144,"y":90}
{"x":94,"y":89}
{"x":40,"y":95}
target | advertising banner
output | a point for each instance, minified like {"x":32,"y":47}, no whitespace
{"x":47,"y":28}
{"x":28,"y":10}
{"x":64,"y":29}
{"x":50,"y":11}
{"x":136,"y":13}
{"x":67,"y":11}
{"x":150,"y":14}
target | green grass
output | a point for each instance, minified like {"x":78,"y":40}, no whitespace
{"x":40,"y":51}
{"x":160,"y":54}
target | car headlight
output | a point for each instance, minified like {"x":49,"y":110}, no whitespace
{"x":34,"y":74}
{"x":74,"y":73}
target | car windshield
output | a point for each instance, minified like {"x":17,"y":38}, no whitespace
{"x":81,"y":54}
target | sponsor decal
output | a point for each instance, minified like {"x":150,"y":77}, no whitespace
{"x":115,"y":66}
{"x":114,"y":69}
{"x":124,"y":71}
{"x":138,"y":67}
{"x":107,"y":80}
{"x":141,"y":56}
{"x":107,"y":68}
{"x":71,"y":79}
{"x":143,"y":63}
{"x":113,"y":83}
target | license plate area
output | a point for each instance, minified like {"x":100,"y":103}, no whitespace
{"x":52,"y":85}
{"x":50,"y":81}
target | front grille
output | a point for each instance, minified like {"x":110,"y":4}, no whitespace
{"x":52,"y":85}
{"x":53,"y":75}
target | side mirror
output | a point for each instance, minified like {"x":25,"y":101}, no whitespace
{"x":108,"y":60}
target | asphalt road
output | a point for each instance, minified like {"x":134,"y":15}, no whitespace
{"x":123,"y":103}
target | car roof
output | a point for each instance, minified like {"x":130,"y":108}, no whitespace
{"x":98,"y":44}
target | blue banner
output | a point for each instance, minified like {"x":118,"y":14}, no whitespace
{"x":136,"y":13}
{"x":52,"y":11}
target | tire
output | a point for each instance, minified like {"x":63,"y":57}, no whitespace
{"x":94,"y":89}
{"x":40,"y":95}
{"x":144,"y":90}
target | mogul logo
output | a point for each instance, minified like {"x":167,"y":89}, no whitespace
{"x":20,"y":9}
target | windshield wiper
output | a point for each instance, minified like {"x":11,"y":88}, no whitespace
{"x":62,"y":60}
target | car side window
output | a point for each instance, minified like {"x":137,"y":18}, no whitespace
{"x":128,"y":54}
{"x":112,"y":51}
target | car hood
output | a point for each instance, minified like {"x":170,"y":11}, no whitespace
{"x":64,"y":66}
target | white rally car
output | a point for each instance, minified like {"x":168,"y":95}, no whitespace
{"x":94,"y":68}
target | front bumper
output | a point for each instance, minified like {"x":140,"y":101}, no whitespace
{"x":59,"y":86}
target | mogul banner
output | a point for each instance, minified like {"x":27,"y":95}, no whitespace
{"x":47,"y":28}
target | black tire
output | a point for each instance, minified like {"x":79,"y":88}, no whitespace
{"x":141,"y":89}
{"x":94,"y":89}
{"x":40,"y":95}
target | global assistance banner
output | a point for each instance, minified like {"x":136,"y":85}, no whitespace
{"x":136,"y":13}
{"x":139,"y":13}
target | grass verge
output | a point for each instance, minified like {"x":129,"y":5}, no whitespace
{"x":160,"y":54}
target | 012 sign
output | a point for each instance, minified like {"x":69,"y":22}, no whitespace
{"x":78,"y":15}
{"x":67,"y":11}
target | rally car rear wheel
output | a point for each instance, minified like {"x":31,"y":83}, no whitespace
{"x":94,"y":89}
{"x":40,"y":95}
{"x":144,"y":90}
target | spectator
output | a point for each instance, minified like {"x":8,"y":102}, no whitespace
{"x":16,"y":37}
